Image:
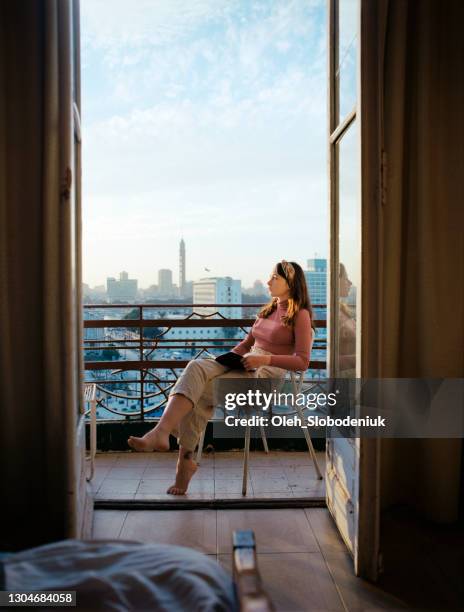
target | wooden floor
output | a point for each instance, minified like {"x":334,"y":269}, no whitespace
{"x":303,"y":562}
{"x":146,"y":476}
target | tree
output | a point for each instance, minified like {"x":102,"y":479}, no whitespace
{"x":133,"y":314}
{"x":151,"y":332}
{"x":231,"y":332}
{"x":110,"y":353}
{"x":248,"y":298}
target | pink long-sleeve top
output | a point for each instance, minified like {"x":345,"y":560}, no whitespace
{"x":291,"y":348}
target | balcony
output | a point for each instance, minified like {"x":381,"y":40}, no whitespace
{"x":134,"y":354}
{"x":135,"y":361}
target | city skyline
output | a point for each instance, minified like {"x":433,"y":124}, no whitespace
{"x":165,"y":275}
{"x":203,"y":119}
{"x":125,"y":275}
{"x":315,"y":271}
{"x":103,"y":283}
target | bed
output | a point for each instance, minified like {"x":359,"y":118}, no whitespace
{"x":124,"y":575}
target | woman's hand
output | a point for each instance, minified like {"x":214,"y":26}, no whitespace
{"x":252,"y":362}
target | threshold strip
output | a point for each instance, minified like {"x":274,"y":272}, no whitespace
{"x":210,"y":504}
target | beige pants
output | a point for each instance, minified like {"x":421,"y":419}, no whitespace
{"x":196,"y":383}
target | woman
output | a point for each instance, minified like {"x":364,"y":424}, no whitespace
{"x":347,"y":329}
{"x":279,"y":340}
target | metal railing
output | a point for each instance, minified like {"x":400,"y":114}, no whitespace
{"x":153,"y":359}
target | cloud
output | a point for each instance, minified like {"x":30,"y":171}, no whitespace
{"x":279,"y":128}
{"x":163,"y":22}
{"x":177,"y":45}
{"x":200,"y":118}
{"x":145,"y":22}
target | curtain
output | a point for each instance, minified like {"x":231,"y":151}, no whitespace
{"x":38,"y":371}
{"x":422,"y":218}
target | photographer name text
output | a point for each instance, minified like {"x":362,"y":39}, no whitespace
{"x":296,"y":421}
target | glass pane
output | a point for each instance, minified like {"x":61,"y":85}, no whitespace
{"x":349,"y":249}
{"x":346,"y":57}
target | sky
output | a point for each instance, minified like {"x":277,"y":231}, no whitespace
{"x":203,"y":119}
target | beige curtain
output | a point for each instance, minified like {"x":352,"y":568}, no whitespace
{"x":37,"y":318}
{"x":422,"y":220}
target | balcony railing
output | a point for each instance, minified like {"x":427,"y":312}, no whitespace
{"x":135,"y":361}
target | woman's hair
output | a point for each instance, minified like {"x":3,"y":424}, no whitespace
{"x":299,"y":295}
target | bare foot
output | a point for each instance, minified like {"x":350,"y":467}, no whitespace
{"x":186,"y":468}
{"x":156,"y":439}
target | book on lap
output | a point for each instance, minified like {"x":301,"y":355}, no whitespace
{"x":231,"y":360}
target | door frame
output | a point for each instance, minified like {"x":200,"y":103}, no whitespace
{"x":367,"y":113}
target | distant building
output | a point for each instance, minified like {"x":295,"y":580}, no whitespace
{"x":95,"y":334}
{"x":151,"y":292}
{"x":182,"y":269}
{"x":122,"y":290}
{"x":258,"y":288}
{"x":188,"y":290}
{"x":192,"y":334}
{"x":316,"y":279}
{"x":99,"y":293}
{"x":165,"y":287}
{"x":93,"y":295}
{"x":218,"y":290}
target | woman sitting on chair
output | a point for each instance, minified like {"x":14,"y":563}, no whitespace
{"x":279,"y":340}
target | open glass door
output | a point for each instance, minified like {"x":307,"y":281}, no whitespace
{"x":346,"y":478}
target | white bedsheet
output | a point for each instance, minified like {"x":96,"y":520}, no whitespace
{"x":121,"y":575}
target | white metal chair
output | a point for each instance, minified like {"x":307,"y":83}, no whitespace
{"x":90,"y":396}
{"x":297,"y":384}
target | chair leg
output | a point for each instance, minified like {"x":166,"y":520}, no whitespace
{"x":93,"y":434}
{"x":246,"y":455}
{"x":263,"y":438}
{"x":200,"y":446}
{"x":311,"y":450}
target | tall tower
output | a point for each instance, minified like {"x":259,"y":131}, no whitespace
{"x":182,"y":268}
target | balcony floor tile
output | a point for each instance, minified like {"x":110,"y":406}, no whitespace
{"x":147,"y":476}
